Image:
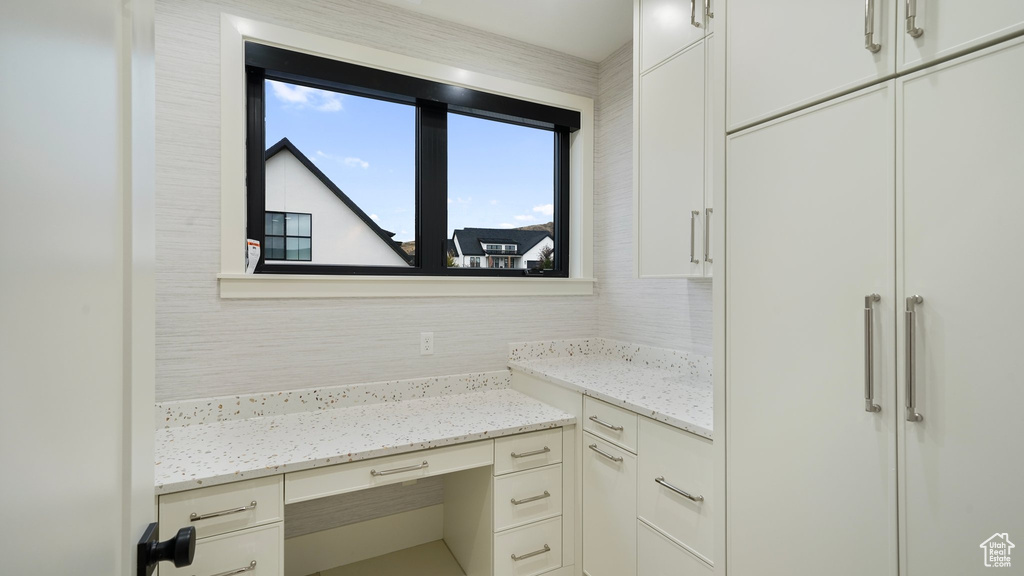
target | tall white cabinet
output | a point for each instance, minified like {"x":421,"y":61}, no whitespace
{"x":672,"y":209}
{"x":872,"y":332}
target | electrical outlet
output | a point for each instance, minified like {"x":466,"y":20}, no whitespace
{"x":426,"y":343}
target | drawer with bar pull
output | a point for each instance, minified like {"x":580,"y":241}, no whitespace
{"x":526,"y":451}
{"x":528,"y":496}
{"x":253,"y":552}
{"x":530,"y":550}
{"x":224,"y":508}
{"x":612,"y":423}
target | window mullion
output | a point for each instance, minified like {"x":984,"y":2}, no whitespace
{"x":432,"y":186}
{"x":255,"y":168}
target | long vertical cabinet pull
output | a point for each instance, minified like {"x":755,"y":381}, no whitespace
{"x":912,"y":28}
{"x":693,"y":14}
{"x":693,"y":236}
{"x":707,"y":10}
{"x":707,"y":235}
{"x":912,"y":415}
{"x":869,"y":27}
{"x":869,"y":354}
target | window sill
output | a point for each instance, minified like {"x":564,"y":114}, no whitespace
{"x":250,"y":286}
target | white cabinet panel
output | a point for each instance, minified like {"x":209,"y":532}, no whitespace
{"x":659,"y":556}
{"x":666,"y":27}
{"x":948,"y":27}
{"x":526,"y":497}
{"x":811,"y":232}
{"x":261,"y":550}
{"x":610,"y":422}
{"x":525,"y":451}
{"x":784,"y":54}
{"x":223,"y":508}
{"x":670,"y":152}
{"x":962,"y":128}
{"x":530,"y":550}
{"x":609,"y":509}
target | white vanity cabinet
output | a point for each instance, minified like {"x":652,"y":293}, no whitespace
{"x":672,"y":209}
{"x":609,"y":509}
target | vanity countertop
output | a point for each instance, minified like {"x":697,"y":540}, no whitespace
{"x":230,"y":450}
{"x":665,"y":385}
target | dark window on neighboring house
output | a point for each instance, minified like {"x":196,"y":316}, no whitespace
{"x":288,"y":236}
{"x":409,"y":234}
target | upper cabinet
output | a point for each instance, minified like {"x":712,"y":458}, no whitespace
{"x":931,"y":30}
{"x":668,"y":26}
{"x":786,"y":54}
{"x":672,"y":210}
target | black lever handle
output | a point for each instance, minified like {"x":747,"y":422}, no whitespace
{"x":181,"y":549}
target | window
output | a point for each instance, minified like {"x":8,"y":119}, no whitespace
{"x":397,"y":169}
{"x":288,"y":236}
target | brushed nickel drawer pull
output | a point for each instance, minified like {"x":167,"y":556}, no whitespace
{"x":399,"y":470}
{"x":605,"y":454}
{"x":911,"y":359}
{"x":869,"y":354}
{"x":605,"y":424}
{"x":543,"y":450}
{"x":707,"y":235}
{"x":677,"y":490}
{"x":546,"y":548}
{"x":693,"y":228}
{"x":249,"y":568}
{"x":546,"y":494}
{"x":912,"y":28}
{"x":193,"y":517}
{"x":869,"y":27}
{"x":693,"y":14}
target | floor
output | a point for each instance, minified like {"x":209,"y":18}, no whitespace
{"x":431,"y":559}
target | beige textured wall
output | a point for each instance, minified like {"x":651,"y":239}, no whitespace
{"x":657,"y":312}
{"x":207,"y":346}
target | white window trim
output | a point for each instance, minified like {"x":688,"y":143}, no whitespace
{"x":234,"y":283}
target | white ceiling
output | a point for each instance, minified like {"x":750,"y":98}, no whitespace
{"x":590,"y":29}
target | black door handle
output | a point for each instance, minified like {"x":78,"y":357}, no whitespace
{"x":181,"y":549}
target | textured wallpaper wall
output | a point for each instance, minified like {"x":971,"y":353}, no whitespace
{"x":207,"y":346}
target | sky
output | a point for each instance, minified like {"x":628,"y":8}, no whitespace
{"x":499,"y":175}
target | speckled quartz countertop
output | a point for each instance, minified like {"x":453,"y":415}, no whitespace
{"x":216,"y":452}
{"x":666,"y":385}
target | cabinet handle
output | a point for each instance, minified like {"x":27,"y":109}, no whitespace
{"x":193,"y":517}
{"x":912,"y":28}
{"x":869,"y":354}
{"x":249,"y":568}
{"x":707,"y":10}
{"x":678,"y":490}
{"x":693,"y":217}
{"x":397,"y":470}
{"x":546,"y":494}
{"x":707,"y":236}
{"x":605,"y":424}
{"x":693,"y":14}
{"x":546,"y":548}
{"x":912,"y":415}
{"x":869,"y":27}
{"x":605,"y":454}
{"x":543,"y":450}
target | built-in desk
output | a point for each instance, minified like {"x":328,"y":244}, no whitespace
{"x":499,"y":452}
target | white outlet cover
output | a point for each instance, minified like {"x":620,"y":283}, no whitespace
{"x":426,"y":343}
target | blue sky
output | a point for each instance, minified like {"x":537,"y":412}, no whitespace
{"x":499,"y":175}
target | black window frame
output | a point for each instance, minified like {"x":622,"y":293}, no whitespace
{"x":433,"y":102}
{"x":286,"y":236}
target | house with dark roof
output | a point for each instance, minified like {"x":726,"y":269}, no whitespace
{"x":310,"y":219}
{"x":499,"y":247}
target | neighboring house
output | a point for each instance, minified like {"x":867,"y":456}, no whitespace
{"x":309,"y":219}
{"x":498,"y":247}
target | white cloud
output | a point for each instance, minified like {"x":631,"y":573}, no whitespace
{"x":494,"y":202}
{"x":545,"y":209}
{"x":506,"y":225}
{"x":374,"y":217}
{"x":356,"y":162}
{"x":525,"y":218}
{"x":306,"y":97}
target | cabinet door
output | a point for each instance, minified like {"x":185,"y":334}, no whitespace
{"x":670,"y":184}
{"x":785,"y":54}
{"x":949,"y":27}
{"x":811,"y":232}
{"x":667,"y":26}
{"x":962,"y":127}
{"x":609,"y":509}
{"x":656,"y":555}
{"x":709,"y":155}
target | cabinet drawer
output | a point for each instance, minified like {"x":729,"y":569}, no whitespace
{"x":224,"y":508}
{"x":614,"y":424}
{"x":682,"y":462}
{"x":525,"y":451}
{"x":537,"y":547}
{"x":609,"y":509}
{"x":342,"y":478}
{"x":260,"y":549}
{"x":526,"y":497}
{"x":659,"y":556}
